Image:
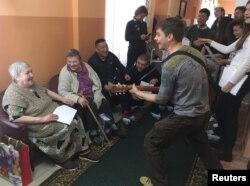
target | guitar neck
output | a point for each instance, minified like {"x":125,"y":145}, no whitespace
{"x":125,"y":88}
{"x":146,"y":88}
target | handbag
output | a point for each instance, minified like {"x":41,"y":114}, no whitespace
{"x":15,"y":161}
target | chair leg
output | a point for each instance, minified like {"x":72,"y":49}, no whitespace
{"x":31,"y":152}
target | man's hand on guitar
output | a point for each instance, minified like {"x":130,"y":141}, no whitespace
{"x":153,"y":81}
{"x":108,"y":86}
{"x":134,"y":89}
{"x":122,"y":88}
{"x":135,"y":97}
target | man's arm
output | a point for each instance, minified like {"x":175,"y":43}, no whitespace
{"x":166,"y":88}
{"x":143,"y":95}
{"x":60,"y":98}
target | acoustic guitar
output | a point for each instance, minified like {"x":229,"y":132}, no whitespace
{"x":121,"y":88}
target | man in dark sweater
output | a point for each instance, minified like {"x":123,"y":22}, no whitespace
{"x":143,"y":71}
{"x":106,"y":64}
{"x":199,"y":30}
{"x":219,"y":12}
{"x":110,"y":71}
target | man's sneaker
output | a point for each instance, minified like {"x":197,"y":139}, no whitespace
{"x":157,"y":116}
{"x":212,"y":119}
{"x":69,"y":165}
{"x":213,"y":137}
{"x":209,"y":132}
{"x":126,"y":118}
{"x":132,"y":118}
{"x":126,"y":121}
{"x":170,"y":108}
{"x":89,"y":156}
{"x":145,"y":181}
{"x":213,"y":123}
{"x":97,"y":139}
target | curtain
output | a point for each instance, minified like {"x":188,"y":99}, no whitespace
{"x":118,"y":13}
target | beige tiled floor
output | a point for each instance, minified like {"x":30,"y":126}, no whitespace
{"x":41,"y":173}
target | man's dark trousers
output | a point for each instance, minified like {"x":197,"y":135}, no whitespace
{"x":170,"y":129}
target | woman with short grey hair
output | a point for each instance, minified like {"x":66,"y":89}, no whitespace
{"x":28,"y":103}
{"x":16,"y":68}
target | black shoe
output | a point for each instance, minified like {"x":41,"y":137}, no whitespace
{"x":97,"y":140}
{"x":248,"y":165}
{"x":109,"y":134}
{"x":226,"y":156}
{"x":69,"y":165}
{"x":215,"y":145}
{"x":89,"y":156}
{"x":120,"y":133}
{"x":155,"y":115}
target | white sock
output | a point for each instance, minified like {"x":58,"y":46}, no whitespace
{"x":114,"y":127}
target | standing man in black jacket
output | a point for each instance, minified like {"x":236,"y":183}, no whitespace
{"x":136,"y":34}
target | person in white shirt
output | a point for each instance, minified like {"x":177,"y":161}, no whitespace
{"x":228,"y":105}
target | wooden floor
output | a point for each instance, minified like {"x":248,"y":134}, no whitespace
{"x":239,"y":161}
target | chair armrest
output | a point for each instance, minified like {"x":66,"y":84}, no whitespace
{"x":4,"y":119}
{"x":7,"y":123}
{"x":14,"y":130}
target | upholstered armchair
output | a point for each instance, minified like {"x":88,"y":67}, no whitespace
{"x":14,"y":130}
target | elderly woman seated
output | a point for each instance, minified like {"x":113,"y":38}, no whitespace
{"x":80,"y":83}
{"x":26,"y":102}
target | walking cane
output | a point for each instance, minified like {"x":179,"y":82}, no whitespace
{"x":96,"y":120}
{"x":99,"y":125}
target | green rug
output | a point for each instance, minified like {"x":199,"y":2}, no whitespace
{"x":124,"y":163}
{"x":198,"y":175}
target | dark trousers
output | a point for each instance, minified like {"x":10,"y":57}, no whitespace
{"x":87,"y":118}
{"x":167,"y":131}
{"x":226,"y":112}
{"x":106,"y":109}
{"x":132,"y":102}
{"x":114,"y":99}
